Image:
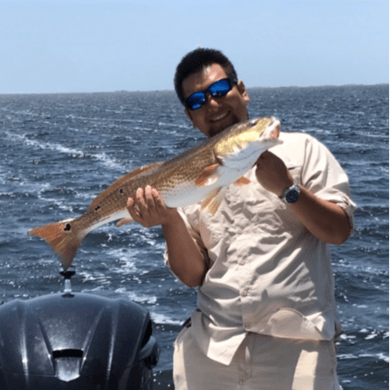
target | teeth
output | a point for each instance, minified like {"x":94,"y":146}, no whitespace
{"x":220,"y":117}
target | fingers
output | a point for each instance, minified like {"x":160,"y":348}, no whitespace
{"x":147,"y":207}
{"x":158,"y":200}
{"x":139,"y":206}
{"x":152,"y":202}
{"x":144,"y":201}
{"x":133,"y":209}
{"x":266,"y":154}
{"x":266,"y":158}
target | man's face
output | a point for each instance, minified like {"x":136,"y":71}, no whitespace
{"x":218,"y":113}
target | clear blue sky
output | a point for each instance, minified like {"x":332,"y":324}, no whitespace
{"x":91,"y":46}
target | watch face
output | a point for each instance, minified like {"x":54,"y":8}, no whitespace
{"x":292,"y":195}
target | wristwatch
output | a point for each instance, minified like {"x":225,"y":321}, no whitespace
{"x":291,"y":195}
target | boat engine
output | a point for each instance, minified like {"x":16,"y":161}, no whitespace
{"x":76,"y":341}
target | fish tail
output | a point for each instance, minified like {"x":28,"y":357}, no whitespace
{"x":62,"y":238}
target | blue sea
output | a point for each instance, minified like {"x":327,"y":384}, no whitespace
{"x":58,"y":151}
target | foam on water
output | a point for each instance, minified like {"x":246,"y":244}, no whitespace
{"x":71,"y":152}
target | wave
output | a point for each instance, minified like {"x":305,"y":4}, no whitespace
{"x":72,"y":152}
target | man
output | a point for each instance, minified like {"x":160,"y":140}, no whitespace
{"x":266,"y":316}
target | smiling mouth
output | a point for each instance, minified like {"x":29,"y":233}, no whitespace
{"x":220,"y":117}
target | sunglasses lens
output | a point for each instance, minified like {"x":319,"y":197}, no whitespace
{"x":220,"y":88}
{"x":196,"y":100}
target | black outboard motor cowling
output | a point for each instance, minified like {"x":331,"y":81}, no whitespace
{"x":76,"y":341}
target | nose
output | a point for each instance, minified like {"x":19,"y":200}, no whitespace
{"x":212,"y":101}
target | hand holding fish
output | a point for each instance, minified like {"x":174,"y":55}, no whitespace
{"x":148,"y":208}
{"x":273,"y":174}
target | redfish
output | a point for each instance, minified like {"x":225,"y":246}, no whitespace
{"x":200,"y":174}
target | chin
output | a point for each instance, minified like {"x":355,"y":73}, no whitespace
{"x":217,"y":130}
{"x":223,"y":125}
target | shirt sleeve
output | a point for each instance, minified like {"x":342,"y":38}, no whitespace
{"x":324,"y":177}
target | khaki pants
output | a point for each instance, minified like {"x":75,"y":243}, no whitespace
{"x":261,"y":362}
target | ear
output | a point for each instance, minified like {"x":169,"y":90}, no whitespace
{"x":244,"y":93}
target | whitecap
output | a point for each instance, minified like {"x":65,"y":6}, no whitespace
{"x":101,"y":157}
{"x":160,"y":318}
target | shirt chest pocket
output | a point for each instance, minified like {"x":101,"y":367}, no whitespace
{"x":263,"y":209}
{"x":247,"y":208}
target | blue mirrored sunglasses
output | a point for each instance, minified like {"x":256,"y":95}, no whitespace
{"x":219,"y":88}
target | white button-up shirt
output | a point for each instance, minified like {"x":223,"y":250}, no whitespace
{"x":267,"y":273}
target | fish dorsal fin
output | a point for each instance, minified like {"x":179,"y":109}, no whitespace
{"x":208,"y":176}
{"x":139,"y":172}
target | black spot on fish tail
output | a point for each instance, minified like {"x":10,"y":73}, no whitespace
{"x":61,"y":238}
{"x":97,"y":208}
{"x":121,"y":191}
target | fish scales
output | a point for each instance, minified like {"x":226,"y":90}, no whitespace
{"x":200,"y":174}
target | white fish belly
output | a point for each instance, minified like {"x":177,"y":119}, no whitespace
{"x":120,"y":214}
{"x":185,"y":194}
{"x":188,"y":193}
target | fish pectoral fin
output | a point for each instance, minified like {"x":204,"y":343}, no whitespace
{"x":213,"y":201}
{"x":242,"y":182}
{"x":208,"y":176}
{"x":124,"y":221}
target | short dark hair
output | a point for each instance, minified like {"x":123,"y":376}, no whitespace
{"x":195,"y":61}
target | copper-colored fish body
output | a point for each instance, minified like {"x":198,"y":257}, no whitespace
{"x":200,"y":174}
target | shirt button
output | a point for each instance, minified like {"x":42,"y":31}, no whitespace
{"x":242,"y":262}
{"x":244,"y":293}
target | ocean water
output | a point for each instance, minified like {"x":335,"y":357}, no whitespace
{"x":58,"y":151}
